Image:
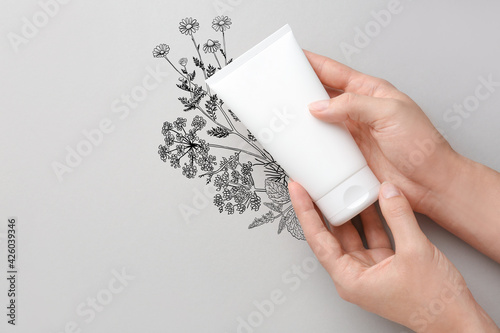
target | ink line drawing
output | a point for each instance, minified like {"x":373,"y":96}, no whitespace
{"x":190,"y":143}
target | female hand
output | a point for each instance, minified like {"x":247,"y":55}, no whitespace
{"x":402,"y":146}
{"x":416,"y":285}
{"x":397,"y":139}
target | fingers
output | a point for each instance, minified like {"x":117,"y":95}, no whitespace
{"x":326,"y":248}
{"x":375,"y":234}
{"x":349,"y":237}
{"x":400,"y":218}
{"x":342,"y":77}
{"x":332,"y":92}
{"x":360,"y":108}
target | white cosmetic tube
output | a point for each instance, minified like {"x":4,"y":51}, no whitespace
{"x":269,"y":88}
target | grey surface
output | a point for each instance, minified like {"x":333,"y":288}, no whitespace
{"x":119,"y":208}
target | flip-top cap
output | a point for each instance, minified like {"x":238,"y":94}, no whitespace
{"x":350,"y":197}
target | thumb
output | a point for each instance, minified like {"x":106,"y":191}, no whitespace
{"x":361,"y":108}
{"x":400,"y":217}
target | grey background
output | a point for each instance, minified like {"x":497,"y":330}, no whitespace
{"x":120,"y":207}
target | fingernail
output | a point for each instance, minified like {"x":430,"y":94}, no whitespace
{"x":389,"y":190}
{"x":290,"y":180}
{"x":319,"y":105}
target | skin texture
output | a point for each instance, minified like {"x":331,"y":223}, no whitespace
{"x":402,"y":146}
{"x":415,"y":285}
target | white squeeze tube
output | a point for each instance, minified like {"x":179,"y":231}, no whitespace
{"x":269,"y":88}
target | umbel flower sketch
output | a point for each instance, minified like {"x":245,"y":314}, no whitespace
{"x":191,"y":142}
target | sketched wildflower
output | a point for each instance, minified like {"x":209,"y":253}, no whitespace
{"x":246,"y":168}
{"x":221,"y":181}
{"x":229,"y":208}
{"x":233,"y":174}
{"x":189,"y":170}
{"x":218,"y":200}
{"x":183,"y":62}
{"x":193,"y":102}
{"x":241,"y":195}
{"x":255,"y":202}
{"x":221,"y":23}
{"x":226,"y":194}
{"x":207,"y":162}
{"x":163,"y":152}
{"x":161,"y":51}
{"x":237,"y":186}
{"x":167,"y":126}
{"x":188,"y":145}
{"x":175,"y":162}
{"x":241,"y":208}
{"x":169,"y":139}
{"x":180,"y":123}
{"x":188,"y":26}
{"x":198,"y":122}
{"x":211,"y":46}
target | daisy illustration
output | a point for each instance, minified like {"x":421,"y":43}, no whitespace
{"x":190,"y":142}
{"x":221,"y":23}
{"x":189,"y":26}
{"x":212,"y":46}
{"x":161,"y":51}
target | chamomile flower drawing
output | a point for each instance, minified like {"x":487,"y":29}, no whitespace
{"x":197,"y":144}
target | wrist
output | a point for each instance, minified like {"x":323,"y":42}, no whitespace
{"x":464,"y":200}
{"x":464,"y":316}
{"x":441,"y":184}
{"x":457,"y":314}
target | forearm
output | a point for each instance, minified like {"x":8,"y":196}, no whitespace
{"x":461,"y":315}
{"x":469,"y":206}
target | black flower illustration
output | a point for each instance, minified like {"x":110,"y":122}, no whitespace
{"x":180,"y":123}
{"x":211,"y":46}
{"x":188,"y":26}
{"x":183,"y":62}
{"x":198,"y":123}
{"x":161,"y":51}
{"x":186,"y":144}
{"x":221,"y":23}
{"x":189,"y":170}
{"x":232,"y":175}
{"x":229,"y":208}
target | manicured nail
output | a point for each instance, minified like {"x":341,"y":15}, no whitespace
{"x":290,"y":180}
{"x":319,"y":105}
{"x":389,"y":190}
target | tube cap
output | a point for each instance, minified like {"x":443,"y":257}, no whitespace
{"x":350,"y":197}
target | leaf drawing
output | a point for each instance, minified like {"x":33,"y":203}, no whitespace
{"x":195,"y":144}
